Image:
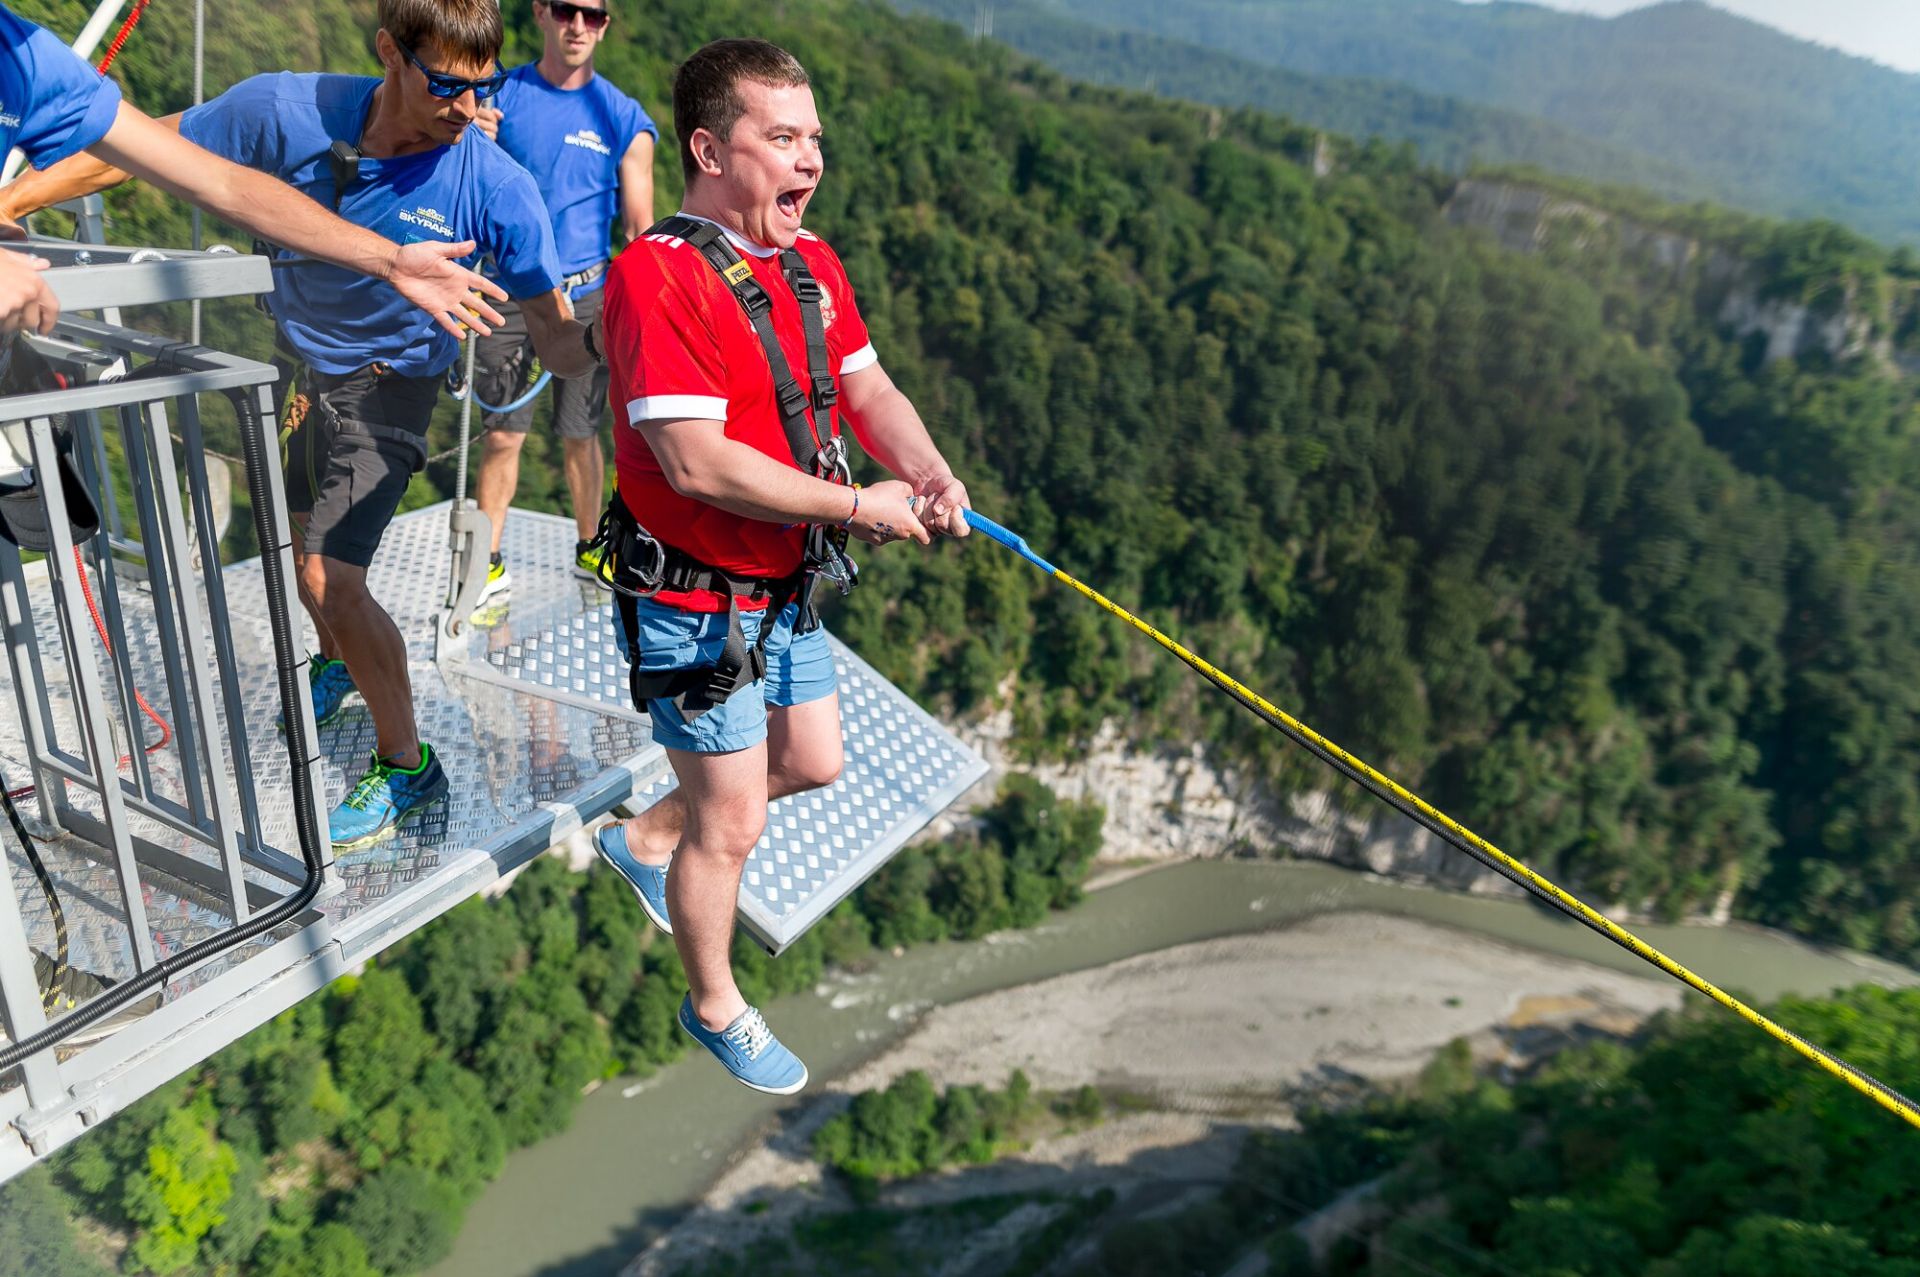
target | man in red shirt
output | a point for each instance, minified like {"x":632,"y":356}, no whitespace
{"x":737,"y":482}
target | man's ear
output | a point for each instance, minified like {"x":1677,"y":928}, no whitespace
{"x":387,"y":51}
{"x":706,"y":152}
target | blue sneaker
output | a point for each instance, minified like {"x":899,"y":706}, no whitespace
{"x":749,"y":1051}
{"x":649,"y":882}
{"x":384,"y":797}
{"x":330,"y":684}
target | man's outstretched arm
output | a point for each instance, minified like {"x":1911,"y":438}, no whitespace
{"x":139,"y":146}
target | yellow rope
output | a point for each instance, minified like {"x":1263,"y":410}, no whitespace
{"x":1432,"y":817}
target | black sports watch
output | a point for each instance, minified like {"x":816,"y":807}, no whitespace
{"x":586,"y":339}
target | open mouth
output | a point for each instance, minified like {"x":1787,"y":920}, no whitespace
{"x":794,"y":202}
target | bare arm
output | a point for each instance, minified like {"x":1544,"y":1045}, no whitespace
{"x":636,"y":188}
{"x":139,"y":146}
{"x":889,"y":428}
{"x":699,"y":461}
{"x":558,"y":338}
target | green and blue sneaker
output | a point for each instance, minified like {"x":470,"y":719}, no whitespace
{"x":748,"y":1050}
{"x":384,"y":797}
{"x":330,"y":684}
{"x":649,"y":882}
{"x":589,"y":558}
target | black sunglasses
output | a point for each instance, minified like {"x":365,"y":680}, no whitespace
{"x":564,"y":12}
{"x":442,"y":85}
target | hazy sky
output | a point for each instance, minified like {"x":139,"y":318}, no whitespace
{"x":1885,"y":30}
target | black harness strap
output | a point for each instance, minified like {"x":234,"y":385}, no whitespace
{"x":816,"y":451}
{"x":640,"y":564}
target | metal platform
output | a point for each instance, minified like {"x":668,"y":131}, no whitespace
{"x":532,"y":726}
{"x":902,"y":766}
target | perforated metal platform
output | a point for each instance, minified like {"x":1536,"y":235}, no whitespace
{"x":533,"y":729}
{"x":902,"y":767}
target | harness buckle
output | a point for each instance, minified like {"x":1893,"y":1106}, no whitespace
{"x":793,"y":400}
{"x":832,"y":460}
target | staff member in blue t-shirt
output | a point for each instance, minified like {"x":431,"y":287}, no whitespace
{"x":590,"y":147}
{"x":53,"y":105}
{"x":370,"y":368}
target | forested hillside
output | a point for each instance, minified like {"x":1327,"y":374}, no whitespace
{"x":1748,"y":115}
{"x":1530,"y":531}
{"x":1537,"y":532}
{"x":1454,"y":133}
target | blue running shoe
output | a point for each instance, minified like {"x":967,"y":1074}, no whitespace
{"x":649,"y":882}
{"x":330,"y":684}
{"x":749,"y":1051}
{"x":384,"y":797}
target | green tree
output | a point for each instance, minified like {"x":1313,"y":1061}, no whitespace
{"x":182,"y":1194}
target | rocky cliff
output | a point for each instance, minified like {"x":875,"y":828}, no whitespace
{"x":1844,"y":325}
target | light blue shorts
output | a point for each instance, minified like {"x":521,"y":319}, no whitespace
{"x":798,"y":670}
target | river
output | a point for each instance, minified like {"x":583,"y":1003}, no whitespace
{"x":585,"y":1202}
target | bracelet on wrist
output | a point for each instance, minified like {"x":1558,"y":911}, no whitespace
{"x":848,"y":521}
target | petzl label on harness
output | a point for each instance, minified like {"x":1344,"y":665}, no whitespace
{"x":738,"y":273}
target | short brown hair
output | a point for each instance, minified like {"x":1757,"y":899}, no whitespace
{"x":706,"y":88}
{"x":467,"y":30}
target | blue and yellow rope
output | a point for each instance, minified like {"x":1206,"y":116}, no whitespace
{"x":1460,"y":837}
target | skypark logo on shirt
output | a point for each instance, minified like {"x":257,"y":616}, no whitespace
{"x":8,"y":120}
{"x":430,"y":219}
{"x":589,"y":139}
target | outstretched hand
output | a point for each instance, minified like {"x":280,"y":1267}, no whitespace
{"x":25,"y":300}
{"x":429,"y":276}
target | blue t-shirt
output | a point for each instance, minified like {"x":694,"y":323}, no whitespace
{"x":52,"y":104}
{"x":337,"y":320}
{"x":572,"y":141}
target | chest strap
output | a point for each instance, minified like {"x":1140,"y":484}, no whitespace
{"x":815,"y":442}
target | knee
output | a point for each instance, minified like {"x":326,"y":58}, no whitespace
{"x":502,"y":443}
{"x":730,"y":830}
{"x":333,"y":593}
{"x":815,"y":770}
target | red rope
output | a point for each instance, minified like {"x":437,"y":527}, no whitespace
{"x":120,"y":38}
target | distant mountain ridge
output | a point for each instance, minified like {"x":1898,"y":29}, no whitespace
{"x":1449,"y":132}
{"x":1680,"y":98}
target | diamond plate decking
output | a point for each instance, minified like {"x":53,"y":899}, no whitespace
{"x":532,"y":724}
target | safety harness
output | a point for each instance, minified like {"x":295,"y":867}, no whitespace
{"x":636,"y":564}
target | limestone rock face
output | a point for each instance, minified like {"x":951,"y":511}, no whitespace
{"x":1167,"y":803}
{"x":1527,"y":219}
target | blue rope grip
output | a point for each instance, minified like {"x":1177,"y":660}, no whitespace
{"x":1013,"y":541}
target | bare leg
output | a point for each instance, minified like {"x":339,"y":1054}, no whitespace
{"x":499,"y":477}
{"x":369,"y":642}
{"x":726,"y":808}
{"x":328,"y":648}
{"x":586,"y":482}
{"x":724,"y":811}
{"x":803,"y":752}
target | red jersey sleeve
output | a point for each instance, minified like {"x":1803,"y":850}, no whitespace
{"x":664,"y":354}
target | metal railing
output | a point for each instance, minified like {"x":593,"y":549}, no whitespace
{"x":131,"y":629}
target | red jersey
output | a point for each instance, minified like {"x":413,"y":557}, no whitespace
{"x":679,"y":345}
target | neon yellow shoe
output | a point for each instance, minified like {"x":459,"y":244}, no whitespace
{"x":498,"y":581}
{"x":589,"y":558}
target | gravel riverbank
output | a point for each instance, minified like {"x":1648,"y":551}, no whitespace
{"x":1209,"y":1036}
